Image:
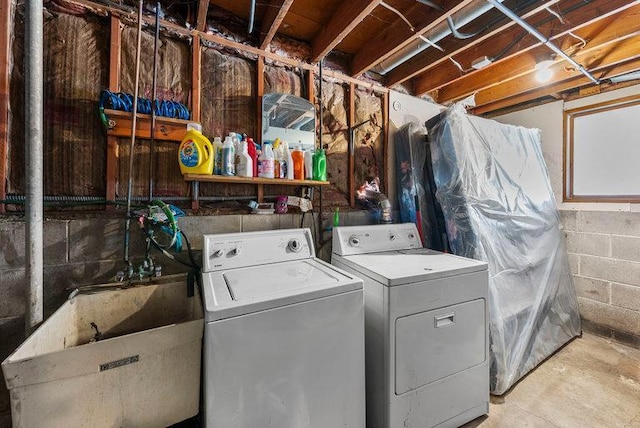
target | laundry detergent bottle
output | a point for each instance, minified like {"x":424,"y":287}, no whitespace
{"x":320,"y":165}
{"x":195,"y":154}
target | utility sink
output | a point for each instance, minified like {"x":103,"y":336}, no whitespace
{"x":114,"y":357}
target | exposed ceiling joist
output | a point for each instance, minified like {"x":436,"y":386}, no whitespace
{"x":558,"y":87}
{"x":398,"y":35}
{"x":598,"y":61}
{"x":446,"y":74}
{"x":422,"y":63}
{"x":203,"y":8}
{"x":275,"y":12}
{"x":344,"y":20}
{"x":603,"y":35}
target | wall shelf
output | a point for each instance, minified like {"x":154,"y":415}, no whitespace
{"x":195,"y":179}
{"x":166,"y":128}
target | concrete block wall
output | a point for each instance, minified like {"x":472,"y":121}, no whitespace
{"x":604,"y":253}
{"x":89,"y":251}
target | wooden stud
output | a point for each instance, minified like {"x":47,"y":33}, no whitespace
{"x":259,"y":95}
{"x":351,"y":149}
{"x":273,"y":17}
{"x":311,"y":88}
{"x":112,"y":157}
{"x":347,"y":17}
{"x":196,"y":67}
{"x":5,"y":55}
{"x":260,"y":191}
{"x":203,"y":8}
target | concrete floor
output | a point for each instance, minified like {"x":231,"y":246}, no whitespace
{"x":591,"y":382}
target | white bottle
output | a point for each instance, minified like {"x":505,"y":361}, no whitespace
{"x":245,"y":164}
{"x":308,"y":164}
{"x":289,"y":159}
{"x":266,"y":161}
{"x":228,"y":157}
{"x":217,"y":156}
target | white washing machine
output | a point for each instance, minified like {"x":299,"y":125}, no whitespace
{"x":284,"y":334}
{"x":426,"y":327}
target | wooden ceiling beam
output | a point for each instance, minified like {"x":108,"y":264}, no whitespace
{"x":398,"y":34}
{"x":421,"y":63}
{"x":600,"y":62}
{"x":565,"y":85}
{"x":601,"y":36}
{"x":447,"y":73}
{"x":348,"y":15}
{"x":203,"y":9}
{"x":273,"y":17}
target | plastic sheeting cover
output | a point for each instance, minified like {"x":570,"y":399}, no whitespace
{"x":494,"y":189}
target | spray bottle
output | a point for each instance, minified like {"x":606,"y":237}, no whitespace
{"x":217,"y":156}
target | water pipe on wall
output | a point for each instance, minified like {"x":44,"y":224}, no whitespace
{"x":34,"y":135}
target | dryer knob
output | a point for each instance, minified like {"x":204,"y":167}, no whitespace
{"x":217,"y":253}
{"x":235,"y":251}
{"x":294,"y":245}
{"x":354,"y":241}
{"x":392,"y":237}
{"x":412,"y":236}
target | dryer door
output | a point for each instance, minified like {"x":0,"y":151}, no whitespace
{"x":438,"y":343}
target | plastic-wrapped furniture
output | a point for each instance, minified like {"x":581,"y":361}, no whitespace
{"x":493,"y":185}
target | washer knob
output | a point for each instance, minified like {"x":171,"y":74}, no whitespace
{"x":392,"y":237}
{"x":235,"y":251}
{"x":354,"y":241}
{"x":412,"y":236}
{"x":294,"y":245}
{"x":218,"y":253}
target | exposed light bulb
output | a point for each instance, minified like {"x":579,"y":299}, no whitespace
{"x":543,"y":71}
{"x":544,"y":75}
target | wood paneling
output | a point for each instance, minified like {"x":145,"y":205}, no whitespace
{"x":5,"y":51}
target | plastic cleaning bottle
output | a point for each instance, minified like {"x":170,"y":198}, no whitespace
{"x":245,"y":165}
{"x":235,"y":138}
{"x":228,"y":157}
{"x":266,"y":161}
{"x":195,"y":154}
{"x":289,"y":160}
{"x":277,"y":158}
{"x":320,"y":165}
{"x":308,"y":164}
{"x":217,"y":156}
{"x":251,"y":149}
{"x":298,"y":163}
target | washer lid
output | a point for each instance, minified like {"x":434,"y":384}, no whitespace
{"x":251,"y":289}
{"x":408,"y":266}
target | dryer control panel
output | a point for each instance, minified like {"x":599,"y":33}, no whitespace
{"x":375,"y":238}
{"x":232,"y":250}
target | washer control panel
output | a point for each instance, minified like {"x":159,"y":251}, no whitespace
{"x":231,"y":250}
{"x":375,"y":238}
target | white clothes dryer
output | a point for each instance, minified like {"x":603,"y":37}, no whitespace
{"x":426,"y":327}
{"x":284,"y":334}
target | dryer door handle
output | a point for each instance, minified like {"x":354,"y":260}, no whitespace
{"x":444,"y":320}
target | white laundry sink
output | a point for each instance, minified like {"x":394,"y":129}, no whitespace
{"x":143,"y":371}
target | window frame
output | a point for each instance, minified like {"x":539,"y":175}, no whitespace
{"x":568,"y":119}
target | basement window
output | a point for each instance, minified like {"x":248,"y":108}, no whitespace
{"x":602,"y":152}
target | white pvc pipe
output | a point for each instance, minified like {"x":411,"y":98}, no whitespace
{"x":34,"y":132}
